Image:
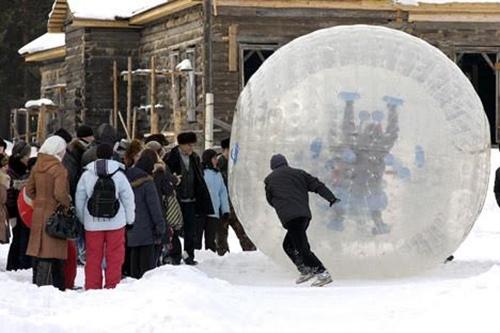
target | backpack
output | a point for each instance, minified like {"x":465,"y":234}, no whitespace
{"x":103,"y":203}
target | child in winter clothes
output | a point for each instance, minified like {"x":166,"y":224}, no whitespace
{"x":218,"y":195}
{"x":4,"y":185}
{"x":104,"y":237}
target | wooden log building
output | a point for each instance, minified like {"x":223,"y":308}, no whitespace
{"x":227,"y":41}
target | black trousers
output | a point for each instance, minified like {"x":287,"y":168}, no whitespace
{"x":210,"y":226}
{"x":175,"y":253}
{"x":141,"y":260}
{"x":48,"y":272}
{"x":191,"y":227}
{"x":17,"y":258}
{"x":296,"y":246}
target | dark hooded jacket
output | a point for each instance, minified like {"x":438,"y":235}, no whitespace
{"x":287,"y":190}
{"x":149,"y":225}
{"x":72,"y":161}
{"x":203,"y":201}
{"x":105,"y":134}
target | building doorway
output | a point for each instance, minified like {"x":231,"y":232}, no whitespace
{"x":480,"y":69}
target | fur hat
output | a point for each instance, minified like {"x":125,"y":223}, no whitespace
{"x":160,"y":138}
{"x":225,"y":143}
{"x":63,"y":134}
{"x":186,"y":138}
{"x":21,"y":149}
{"x":84,"y":131}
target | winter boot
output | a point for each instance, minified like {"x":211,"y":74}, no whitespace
{"x":322,"y":279}
{"x":304,"y":277}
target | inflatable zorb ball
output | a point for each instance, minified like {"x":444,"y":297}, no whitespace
{"x":389,"y":124}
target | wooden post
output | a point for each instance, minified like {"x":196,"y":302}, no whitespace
{"x":28,"y":124}
{"x":41,"y":124}
{"x":134,"y":123}
{"x":175,"y":106}
{"x":129,"y":95}
{"x":154,"y":115}
{"x":233,"y":48}
{"x":115,"y":95}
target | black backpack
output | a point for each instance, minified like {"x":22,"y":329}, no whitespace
{"x":103,"y":202}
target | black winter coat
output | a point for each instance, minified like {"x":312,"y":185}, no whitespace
{"x":496,"y":189}
{"x":149,"y":225}
{"x":203,"y":201}
{"x":287,"y":191}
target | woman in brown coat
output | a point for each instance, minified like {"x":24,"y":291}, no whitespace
{"x":49,"y":188}
{"x":4,"y":185}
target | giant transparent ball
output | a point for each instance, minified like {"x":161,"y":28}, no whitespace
{"x":387,"y":122}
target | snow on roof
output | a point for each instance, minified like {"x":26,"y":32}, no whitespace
{"x":38,"y":103}
{"x":45,"y":42}
{"x":417,"y":2}
{"x":110,"y":9}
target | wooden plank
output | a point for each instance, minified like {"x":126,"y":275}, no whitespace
{"x":115,"y":95}
{"x":233,"y":48}
{"x":129,"y":95}
{"x":152,"y":98}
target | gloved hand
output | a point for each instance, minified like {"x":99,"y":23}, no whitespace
{"x":334,"y":201}
{"x":225,"y":216}
{"x":128,"y":226}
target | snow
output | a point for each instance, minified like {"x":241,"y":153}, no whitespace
{"x":50,"y":40}
{"x":38,"y":103}
{"x":246,"y":292}
{"x":110,"y":9}
{"x":417,"y":2}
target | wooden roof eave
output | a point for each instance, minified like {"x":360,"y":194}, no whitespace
{"x":379,"y":5}
{"x":161,"y":11}
{"x":55,"y":53}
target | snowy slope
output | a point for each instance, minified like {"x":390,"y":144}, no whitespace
{"x":246,"y":292}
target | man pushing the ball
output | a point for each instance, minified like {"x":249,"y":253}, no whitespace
{"x":287,"y":190}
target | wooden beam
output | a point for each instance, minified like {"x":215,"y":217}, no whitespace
{"x":152,"y":99}
{"x":115,"y":95}
{"x":59,"y":52}
{"x":233,"y":48}
{"x":87,"y":23}
{"x":156,"y":13}
{"x":454,"y":17}
{"x":129,"y":95}
{"x":222,"y":124}
{"x":321,"y":4}
{"x":488,"y":60}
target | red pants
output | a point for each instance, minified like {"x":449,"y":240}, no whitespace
{"x":110,"y":245}
{"x":70,"y":266}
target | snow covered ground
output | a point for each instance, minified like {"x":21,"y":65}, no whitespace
{"x":246,"y":292}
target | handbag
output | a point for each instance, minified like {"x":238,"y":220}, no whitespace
{"x":174,"y":213}
{"x":62,"y":224}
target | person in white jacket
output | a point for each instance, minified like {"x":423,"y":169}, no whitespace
{"x":218,"y":195}
{"x":104,"y":236}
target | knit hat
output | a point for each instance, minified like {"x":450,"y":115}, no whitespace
{"x":160,"y":138}
{"x":21,"y":149}
{"x":84,"y":131}
{"x":146,"y":163}
{"x":186,"y":138}
{"x":63,"y":134}
{"x":104,"y":151}
{"x":225,"y":143}
{"x":55,"y":146}
{"x":277,"y":161}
